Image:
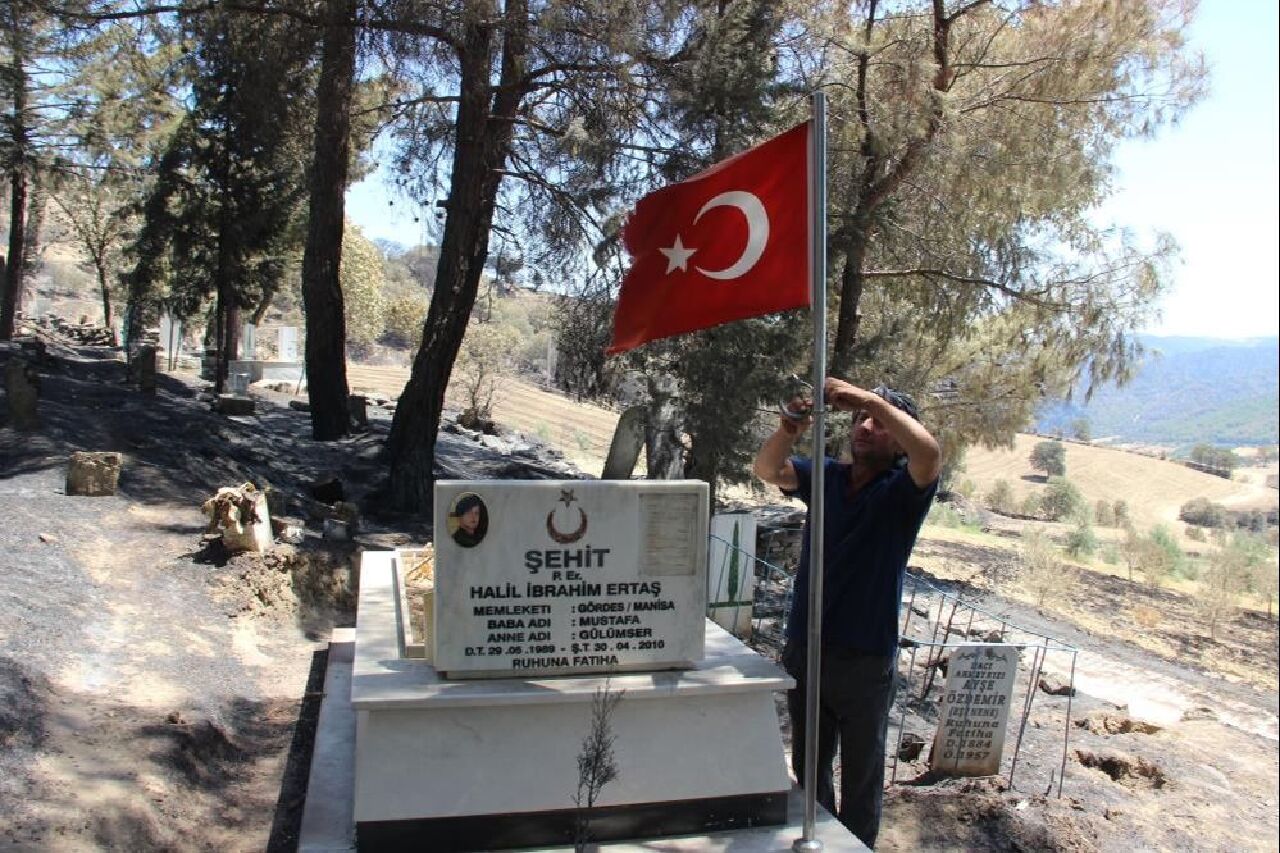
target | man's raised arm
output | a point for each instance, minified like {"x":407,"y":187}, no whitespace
{"x":924,"y":456}
{"x":773,"y":461}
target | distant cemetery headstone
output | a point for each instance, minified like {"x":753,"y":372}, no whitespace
{"x":624,"y":450}
{"x":249,"y":342}
{"x":22,"y":390}
{"x":142,"y":369}
{"x":975,"y":710}
{"x":287,"y":349}
{"x":568,"y":577}
{"x":171,"y":337}
{"x":731,"y":571}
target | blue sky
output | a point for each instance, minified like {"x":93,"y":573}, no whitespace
{"x":1211,"y":182}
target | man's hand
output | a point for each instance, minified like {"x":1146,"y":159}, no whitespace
{"x":796,"y":415}
{"x":773,"y":461}
{"x":845,"y":396}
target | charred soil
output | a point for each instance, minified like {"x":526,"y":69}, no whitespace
{"x":157,"y":693}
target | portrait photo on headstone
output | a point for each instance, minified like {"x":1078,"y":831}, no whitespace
{"x":468,"y":520}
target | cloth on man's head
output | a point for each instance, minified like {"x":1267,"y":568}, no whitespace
{"x":466,"y":503}
{"x":898,"y":399}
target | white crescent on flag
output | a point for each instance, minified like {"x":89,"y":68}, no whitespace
{"x":757,"y":232}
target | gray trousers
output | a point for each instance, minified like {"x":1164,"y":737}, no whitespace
{"x":856,"y":693}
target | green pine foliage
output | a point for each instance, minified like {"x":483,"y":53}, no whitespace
{"x":1050,"y":457}
{"x":1062,"y":500}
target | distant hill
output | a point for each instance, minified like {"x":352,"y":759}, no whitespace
{"x":1154,"y":489}
{"x":1189,"y":390}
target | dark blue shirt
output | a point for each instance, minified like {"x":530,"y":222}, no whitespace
{"x":867,"y":538}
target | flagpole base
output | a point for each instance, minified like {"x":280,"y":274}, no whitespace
{"x":806,"y":845}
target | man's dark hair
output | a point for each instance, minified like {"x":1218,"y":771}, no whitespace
{"x":898,"y":399}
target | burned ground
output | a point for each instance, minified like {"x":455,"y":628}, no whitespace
{"x":158,"y":694}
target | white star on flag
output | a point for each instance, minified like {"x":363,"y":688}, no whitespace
{"x":677,"y":256}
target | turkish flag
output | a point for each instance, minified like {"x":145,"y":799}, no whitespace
{"x":728,"y":243}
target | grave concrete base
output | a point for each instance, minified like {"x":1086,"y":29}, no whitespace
{"x":259,"y":370}
{"x":230,"y":404}
{"x":329,"y":826}
{"x":492,"y":764}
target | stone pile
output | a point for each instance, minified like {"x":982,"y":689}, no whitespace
{"x":84,"y":332}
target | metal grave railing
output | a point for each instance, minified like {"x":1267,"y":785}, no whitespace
{"x":931,"y":617}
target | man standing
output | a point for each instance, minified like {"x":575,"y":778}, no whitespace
{"x":874,"y":506}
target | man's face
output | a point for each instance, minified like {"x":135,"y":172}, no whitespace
{"x":870,"y":443}
{"x":470,"y":520}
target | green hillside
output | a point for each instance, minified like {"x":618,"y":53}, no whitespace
{"x":1189,"y":390}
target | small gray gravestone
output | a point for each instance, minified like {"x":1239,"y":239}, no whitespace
{"x":142,"y":369}
{"x":22,"y":390}
{"x":288,"y":344}
{"x":358,"y":407}
{"x":624,"y":450}
{"x":93,"y":474}
{"x":975,"y":710}
{"x":248,"y":342}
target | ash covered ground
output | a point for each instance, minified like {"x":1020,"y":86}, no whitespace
{"x":156,"y":693}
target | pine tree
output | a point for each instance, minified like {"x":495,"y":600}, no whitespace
{"x":322,"y":295}
{"x":498,"y":92}
{"x":232,"y":178}
{"x":968,"y":143}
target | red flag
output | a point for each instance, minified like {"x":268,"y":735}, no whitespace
{"x":729,"y":243}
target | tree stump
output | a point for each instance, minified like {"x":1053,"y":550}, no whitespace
{"x":242,"y":516}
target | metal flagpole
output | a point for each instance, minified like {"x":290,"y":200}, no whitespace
{"x":818,"y":264}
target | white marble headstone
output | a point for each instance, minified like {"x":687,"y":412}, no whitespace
{"x":565,"y":577}
{"x":288,"y":344}
{"x":249,"y":342}
{"x":170,"y":333}
{"x":975,"y":710}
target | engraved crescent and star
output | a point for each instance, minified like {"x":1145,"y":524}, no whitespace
{"x":568,"y":499}
{"x":678,"y":254}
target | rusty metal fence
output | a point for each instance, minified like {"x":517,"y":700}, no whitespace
{"x":935,"y":621}
{"x":931,"y":617}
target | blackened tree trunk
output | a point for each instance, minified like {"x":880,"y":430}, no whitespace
{"x":37,"y":199}
{"x":17,"y":235}
{"x":326,"y":342}
{"x":879,"y":176}
{"x":219,"y":339}
{"x":106,"y":294}
{"x":482,"y":142}
{"x":852,"y":279}
{"x":231,"y":334}
{"x":17,"y":168}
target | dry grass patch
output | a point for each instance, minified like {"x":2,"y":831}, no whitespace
{"x":1154,"y":489}
{"x":1163,"y":619}
{"x":581,"y":431}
